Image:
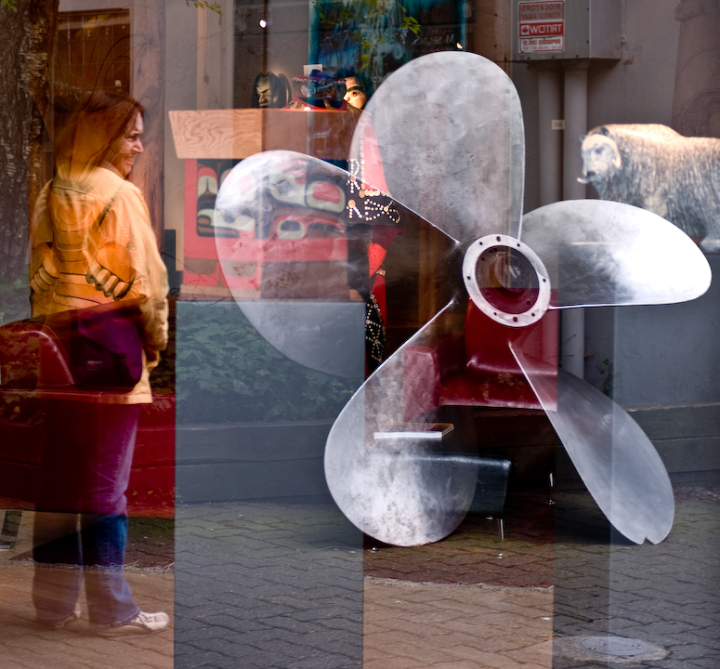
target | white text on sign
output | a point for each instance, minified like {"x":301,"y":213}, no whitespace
{"x":541,"y":26}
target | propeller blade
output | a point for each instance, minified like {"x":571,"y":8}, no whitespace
{"x":313,"y":334}
{"x":449,"y":131}
{"x":615,"y":459}
{"x":293,"y":236}
{"x":600,"y":253}
{"x":395,"y":473}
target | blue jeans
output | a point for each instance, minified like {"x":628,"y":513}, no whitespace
{"x":85,"y":473}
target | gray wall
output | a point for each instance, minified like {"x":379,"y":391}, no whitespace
{"x":664,"y":356}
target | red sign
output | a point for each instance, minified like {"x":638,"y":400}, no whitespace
{"x":541,"y":26}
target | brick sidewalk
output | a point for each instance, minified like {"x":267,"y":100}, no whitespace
{"x":292,"y":586}
{"x":430,"y":625}
{"x":25,"y":645}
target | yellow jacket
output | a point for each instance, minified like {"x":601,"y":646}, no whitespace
{"x":92,"y":243}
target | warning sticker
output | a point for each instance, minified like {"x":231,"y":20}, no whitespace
{"x":541,"y":26}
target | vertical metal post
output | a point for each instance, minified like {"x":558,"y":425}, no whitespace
{"x":575,"y":129}
{"x":550,"y":136}
{"x":573,"y":320}
{"x":550,"y":112}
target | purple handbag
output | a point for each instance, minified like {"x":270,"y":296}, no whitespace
{"x":105,"y":349}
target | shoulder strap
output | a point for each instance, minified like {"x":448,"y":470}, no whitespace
{"x":105,"y":211}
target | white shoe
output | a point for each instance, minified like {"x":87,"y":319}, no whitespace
{"x":142,"y":623}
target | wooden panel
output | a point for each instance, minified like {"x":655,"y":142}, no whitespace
{"x":325,"y":135}
{"x":216,"y":133}
{"x":239,"y":133}
{"x":148,"y":86}
{"x":286,"y":130}
{"x":202,"y":58}
{"x":493,"y":31}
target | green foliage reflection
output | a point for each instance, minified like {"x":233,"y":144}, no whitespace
{"x":14,"y":300}
{"x":227,"y":372}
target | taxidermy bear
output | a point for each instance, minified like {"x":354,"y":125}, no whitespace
{"x":653,"y":167}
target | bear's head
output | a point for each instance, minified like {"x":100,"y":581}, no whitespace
{"x":601,"y":157}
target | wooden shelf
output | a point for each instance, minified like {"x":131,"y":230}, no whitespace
{"x":239,"y":133}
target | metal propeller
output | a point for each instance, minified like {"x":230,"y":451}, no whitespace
{"x":448,"y":129}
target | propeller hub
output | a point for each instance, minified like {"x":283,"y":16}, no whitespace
{"x":506,"y":280}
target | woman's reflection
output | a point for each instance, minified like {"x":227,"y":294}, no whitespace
{"x":93,"y":244}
